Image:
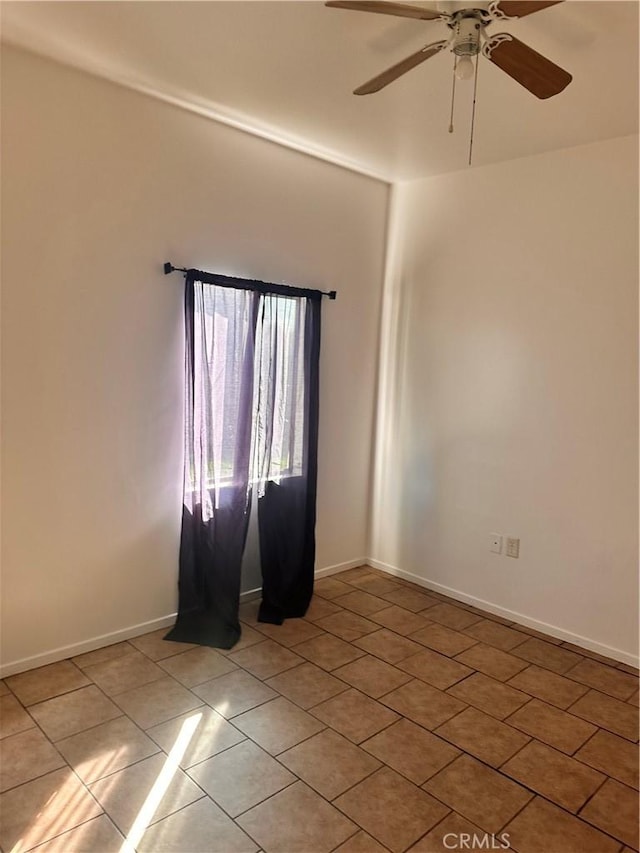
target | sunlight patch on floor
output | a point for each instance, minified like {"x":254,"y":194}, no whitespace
{"x":160,"y":786}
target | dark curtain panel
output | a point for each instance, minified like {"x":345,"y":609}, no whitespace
{"x":285,"y":451}
{"x":219,"y":393}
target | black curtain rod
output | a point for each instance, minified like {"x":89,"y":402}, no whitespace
{"x":248,"y":284}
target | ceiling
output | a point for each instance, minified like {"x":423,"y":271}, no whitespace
{"x":287,"y":70}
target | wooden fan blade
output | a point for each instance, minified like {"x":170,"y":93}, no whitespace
{"x":528,"y":67}
{"x":391,"y":74}
{"x":520,"y":8}
{"x":402,"y":10}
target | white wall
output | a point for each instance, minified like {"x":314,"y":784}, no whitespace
{"x":510,"y":393}
{"x":100,"y":186}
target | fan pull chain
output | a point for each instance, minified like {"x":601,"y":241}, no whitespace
{"x":453,"y":91}
{"x":473,"y":110}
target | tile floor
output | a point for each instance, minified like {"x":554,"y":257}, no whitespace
{"x":389,"y":719}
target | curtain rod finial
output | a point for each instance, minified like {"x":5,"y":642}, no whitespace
{"x":333,"y":294}
{"x":168,"y":268}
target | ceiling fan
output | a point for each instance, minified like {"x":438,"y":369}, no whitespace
{"x":539,"y":75}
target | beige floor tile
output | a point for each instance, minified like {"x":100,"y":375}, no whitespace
{"x":234,"y":693}
{"x":277,"y":725}
{"x":399,"y":620}
{"x":376,"y":585}
{"x":265,"y":659}
{"x":556,"y":776}
{"x":354,"y":715}
{"x":372,"y":676}
{"x":604,"y":678}
{"x":423,"y":704}
{"x":276,"y":825}
{"x":482,"y":795}
{"x":625,"y":667}
{"x":483,"y":736}
{"x":197,"y":666}
{"x":579,"y":650}
{"x":614,"y":809}
{"x":542,"y":827}
{"x":116,"y":676}
{"x":444,"y":640}
{"x":434,"y":668}
{"x":392,"y":810}
{"x":493,"y":634}
{"x":98,"y":835}
{"x":411,"y":598}
{"x":241,"y":777}
{"x":25,"y":756}
{"x":612,"y":755}
{"x":621,"y":718}
{"x":212,"y":735}
{"x":361,"y":842}
{"x":493,"y":617}
{"x":545,"y":685}
{"x":106,"y":748}
{"x":306,"y":685}
{"x":540,"y":635}
{"x":361,"y":602}
{"x":201,"y":826}
{"x":320,"y":607}
{"x":73,"y":712}
{"x":329,"y":763}
{"x":635,"y":699}
{"x":493,"y":662}
{"x":117,"y":650}
{"x":350,"y":575}
{"x":154,"y":645}
{"x":156,"y":702}
{"x":388,"y":645}
{"x":331,"y":588}
{"x":328,"y":652}
{"x":36,"y":685}
{"x":547,"y":655}
{"x":13,"y":717}
{"x":124,"y":794}
{"x":453,"y":833}
{"x":552,"y":726}
{"x":411,"y":751}
{"x":491,"y":696}
{"x":4,"y":690}
{"x":291,"y":632}
{"x":39,"y":810}
{"x":452,"y":616}
{"x":346,"y":625}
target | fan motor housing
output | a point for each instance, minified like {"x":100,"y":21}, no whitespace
{"x":467,"y":25}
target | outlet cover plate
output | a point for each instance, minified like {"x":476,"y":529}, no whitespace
{"x":495,"y":543}
{"x":513,"y":547}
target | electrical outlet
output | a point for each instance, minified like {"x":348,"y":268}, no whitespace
{"x":513,"y":547}
{"x":495,"y":543}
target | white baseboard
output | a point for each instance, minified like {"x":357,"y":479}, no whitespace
{"x":64,"y":652}
{"x":512,"y":615}
{"x":341,"y":567}
{"x":91,"y":645}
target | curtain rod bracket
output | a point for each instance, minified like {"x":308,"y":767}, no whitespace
{"x":169,"y":268}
